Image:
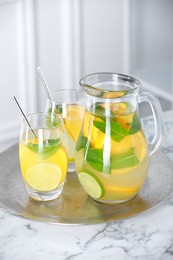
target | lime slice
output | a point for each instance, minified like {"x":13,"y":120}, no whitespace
{"x":91,"y":184}
{"x":44,"y":176}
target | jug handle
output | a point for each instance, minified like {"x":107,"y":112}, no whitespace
{"x":154,"y":103}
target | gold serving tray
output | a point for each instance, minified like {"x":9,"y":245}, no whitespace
{"x":75,"y":207}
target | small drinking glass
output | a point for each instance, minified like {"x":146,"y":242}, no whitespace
{"x":69,"y":104}
{"x":43,"y":156}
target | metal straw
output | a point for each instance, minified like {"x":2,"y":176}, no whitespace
{"x":45,"y":84}
{"x":23,"y":115}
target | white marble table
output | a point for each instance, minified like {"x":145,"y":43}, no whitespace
{"x":143,"y":237}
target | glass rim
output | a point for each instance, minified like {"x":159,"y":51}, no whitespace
{"x":28,"y":116}
{"x":65,"y":89}
{"x":89,"y":87}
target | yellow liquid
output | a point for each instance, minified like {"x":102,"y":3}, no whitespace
{"x":49,"y":170}
{"x":115,"y":152}
{"x":73,"y":118}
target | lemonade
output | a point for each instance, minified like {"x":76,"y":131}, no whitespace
{"x":43,"y":166}
{"x":111,"y":153}
{"x":69,"y":104}
{"x":72,"y":115}
{"x":44,"y":160}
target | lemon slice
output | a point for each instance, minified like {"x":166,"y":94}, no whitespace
{"x":44,"y":176}
{"x":95,"y":136}
{"x":141,"y":149}
{"x":73,"y":120}
{"x":114,"y":94}
{"x":92,"y":185}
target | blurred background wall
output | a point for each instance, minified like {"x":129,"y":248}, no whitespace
{"x":71,"y":38}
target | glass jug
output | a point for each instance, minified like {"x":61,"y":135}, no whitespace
{"x":112,"y":153}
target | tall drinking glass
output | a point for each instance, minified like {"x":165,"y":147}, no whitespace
{"x":69,"y":104}
{"x":43,"y":156}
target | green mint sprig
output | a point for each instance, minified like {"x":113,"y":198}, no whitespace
{"x":95,"y":158}
{"x":136,"y":124}
{"x":81,"y":142}
{"x":118,"y":161}
{"x":46,"y":150}
{"x":117,"y":132}
{"x":124,"y":160}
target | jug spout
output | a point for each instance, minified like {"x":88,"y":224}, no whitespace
{"x":110,"y":85}
{"x":111,"y":89}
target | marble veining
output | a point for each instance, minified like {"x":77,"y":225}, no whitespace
{"x":148,"y":236}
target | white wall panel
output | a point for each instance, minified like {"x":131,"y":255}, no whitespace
{"x":10,"y":78}
{"x":102,"y":35}
{"x":15,"y":68}
{"x":151,"y":32}
{"x":71,"y":38}
{"x":151,"y":52}
{"x":77,"y":41}
{"x":49,"y":27}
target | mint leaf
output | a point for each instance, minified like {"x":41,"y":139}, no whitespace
{"x":95,"y":158}
{"x":48,"y":148}
{"x":136,"y":124}
{"x":55,"y":110}
{"x":117,"y":131}
{"x":51,"y":142}
{"x":46,"y":152}
{"x":99,"y":110}
{"x":52,"y":120}
{"x":125,"y":160}
{"x":81,"y":142}
{"x":59,"y":109}
{"x":33,"y":147}
{"x":100,"y":125}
